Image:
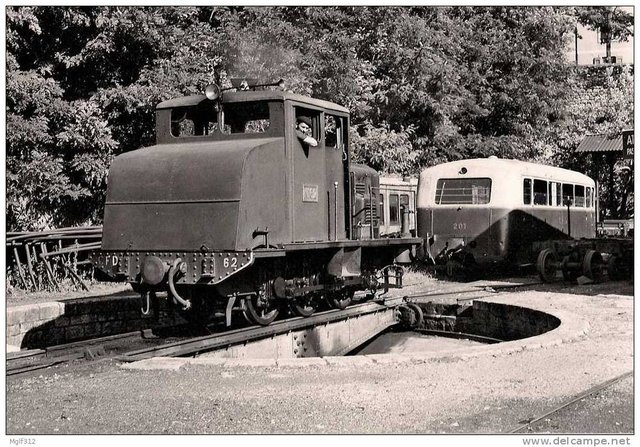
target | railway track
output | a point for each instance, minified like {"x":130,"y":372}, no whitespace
{"x":25,"y":361}
{"x":198,"y":345}
{"x":483,"y":290}
{"x":22,"y":362}
{"x":572,"y":401}
{"x":115,"y":346}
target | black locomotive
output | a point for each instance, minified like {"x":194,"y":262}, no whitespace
{"x":233,"y":210}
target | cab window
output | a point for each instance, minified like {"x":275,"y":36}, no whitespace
{"x":246,"y":117}
{"x":460,"y":191}
{"x":334,"y":129}
{"x":315,"y":120}
{"x":204,"y":120}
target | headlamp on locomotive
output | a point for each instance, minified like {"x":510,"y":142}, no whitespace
{"x":231,"y":211}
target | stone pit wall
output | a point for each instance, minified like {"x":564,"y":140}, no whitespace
{"x":47,"y":324}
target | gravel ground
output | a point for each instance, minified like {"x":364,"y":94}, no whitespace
{"x":480,"y":394}
{"x":17,"y":297}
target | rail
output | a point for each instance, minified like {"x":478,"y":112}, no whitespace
{"x":206,"y":343}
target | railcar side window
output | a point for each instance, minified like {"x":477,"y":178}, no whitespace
{"x":463,"y":191}
{"x":404,"y":201}
{"x":526,"y":191}
{"x":381,"y":209}
{"x":558,"y":194}
{"x":394,"y":209}
{"x":567,"y":193}
{"x":540,"y":192}
{"x":579,"y":196}
{"x":588,"y":197}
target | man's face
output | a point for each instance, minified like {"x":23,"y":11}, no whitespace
{"x":304,"y":128}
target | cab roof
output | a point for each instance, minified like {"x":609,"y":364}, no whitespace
{"x":261,"y":95}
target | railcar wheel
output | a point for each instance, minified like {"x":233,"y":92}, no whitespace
{"x":613,"y":268}
{"x":260,"y":310}
{"x":340,"y":299}
{"x":592,"y":265}
{"x":305,"y":306}
{"x":545,"y":265}
{"x":569,"y":275}
{"x":453,"y":268}
{"x":418,"y":312}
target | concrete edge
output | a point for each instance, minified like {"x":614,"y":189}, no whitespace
{"x":572,"y":328}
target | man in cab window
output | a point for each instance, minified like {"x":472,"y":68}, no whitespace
{"x":303,"y":131}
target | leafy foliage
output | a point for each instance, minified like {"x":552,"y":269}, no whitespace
{"x":424,"y":84}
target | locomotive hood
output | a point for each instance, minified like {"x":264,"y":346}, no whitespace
{"x":177,"y":196}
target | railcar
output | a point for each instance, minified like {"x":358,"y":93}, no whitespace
{"x":397,"y":206}
{"x":487,"y":212}
{"x":232,"y":212}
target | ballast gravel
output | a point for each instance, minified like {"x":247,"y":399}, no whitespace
{"x":481,"y":393}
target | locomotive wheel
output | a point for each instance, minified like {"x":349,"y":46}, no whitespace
{"x":592,"y":265}
{"x":544,"y":264}
{"x":304,"y":306}
{"x":260,"y":311}
{"x":340,"y":299}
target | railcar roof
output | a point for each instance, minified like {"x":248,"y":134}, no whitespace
{"x":501,"y":167}
{"x":394,"y":180}
{"x":261,"y":95}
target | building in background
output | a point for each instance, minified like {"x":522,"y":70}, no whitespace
{"x":591,"y":49}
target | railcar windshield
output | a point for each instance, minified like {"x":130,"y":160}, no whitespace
{"x":463,"y":191}
{"x":236,"y":118}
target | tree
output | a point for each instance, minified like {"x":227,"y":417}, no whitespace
{"x":424,"y":84}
